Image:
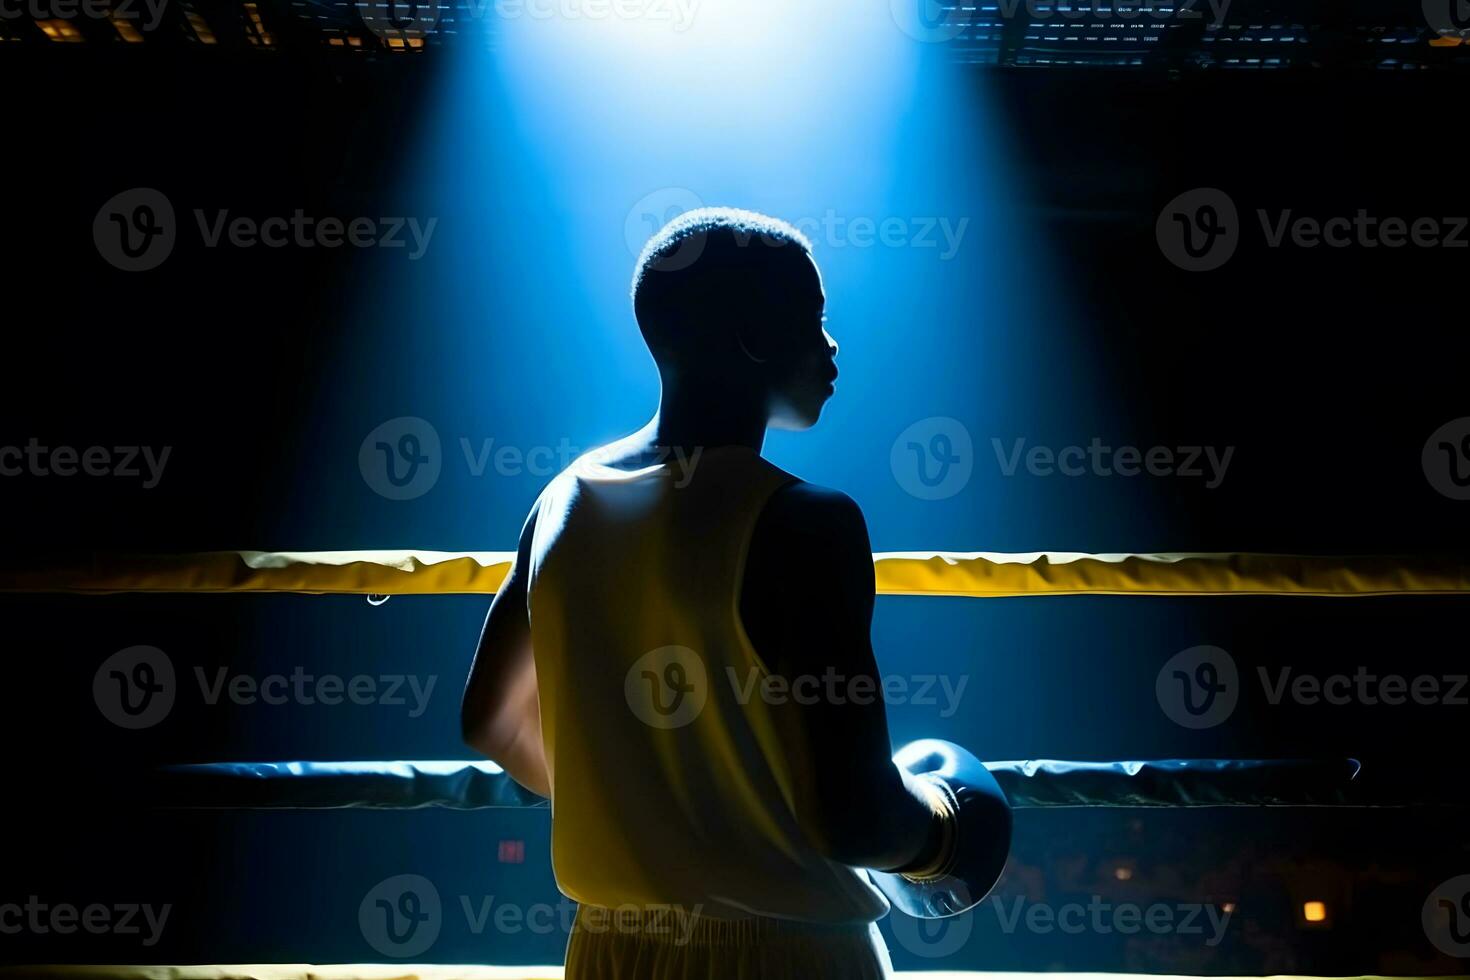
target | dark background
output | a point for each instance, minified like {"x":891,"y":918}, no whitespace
{"x":1327,"y":369}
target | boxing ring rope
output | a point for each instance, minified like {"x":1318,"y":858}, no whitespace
{"x":1032,"y":784}
{"x":461,"y":785}
{"x":977,"y":574}
{"x":404,"y":971}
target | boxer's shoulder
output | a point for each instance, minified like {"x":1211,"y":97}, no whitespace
{"x":809,"y":568}
{"x":800,"y":511}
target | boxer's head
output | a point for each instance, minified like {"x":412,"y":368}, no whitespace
{"x":732,"y":300}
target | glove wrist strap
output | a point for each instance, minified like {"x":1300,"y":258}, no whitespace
{"x":945,"y":806}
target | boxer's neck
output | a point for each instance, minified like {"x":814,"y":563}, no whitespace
{"x":703,"y":415}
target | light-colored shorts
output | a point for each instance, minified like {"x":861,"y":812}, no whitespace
{"x":608,"y":944}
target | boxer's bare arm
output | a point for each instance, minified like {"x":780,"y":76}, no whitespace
{"x":807,"y":605}
{"x":500,"y":715}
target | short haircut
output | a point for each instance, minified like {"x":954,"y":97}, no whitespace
{"x":709,"y":264}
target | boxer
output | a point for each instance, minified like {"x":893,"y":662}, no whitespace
{"x":602,"y":679}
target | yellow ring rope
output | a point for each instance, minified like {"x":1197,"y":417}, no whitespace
{"x":976,"y":573}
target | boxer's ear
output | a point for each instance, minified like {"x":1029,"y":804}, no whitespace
{"x":757,"y":321}
{"x":747,"y":337}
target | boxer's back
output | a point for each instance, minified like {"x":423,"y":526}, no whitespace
{"x":674,"y":778}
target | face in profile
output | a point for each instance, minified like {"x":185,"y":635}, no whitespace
{"x":802,"y":367}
